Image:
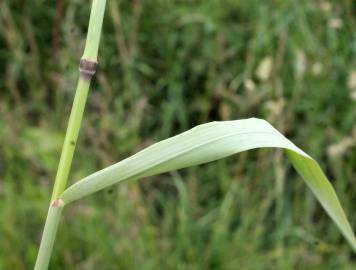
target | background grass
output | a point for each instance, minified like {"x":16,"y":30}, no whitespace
{"x":166,"y":66}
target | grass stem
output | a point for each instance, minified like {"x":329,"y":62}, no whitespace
{"x":87,"y":70}
{"x":71,"y":137}
{"x":49,"y":234}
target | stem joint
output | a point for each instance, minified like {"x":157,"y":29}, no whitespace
{"x":87,"y":68}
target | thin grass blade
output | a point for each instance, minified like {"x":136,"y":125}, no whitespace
{"x":209,"y":142}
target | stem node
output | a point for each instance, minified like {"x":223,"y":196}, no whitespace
{"x":87,"y":68}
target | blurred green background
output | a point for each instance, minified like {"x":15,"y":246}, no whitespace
{"x":166,"y":66}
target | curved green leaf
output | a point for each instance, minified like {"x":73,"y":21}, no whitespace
{"x":210,"y":142}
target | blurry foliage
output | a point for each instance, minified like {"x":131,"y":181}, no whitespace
{"x":166,"y":66}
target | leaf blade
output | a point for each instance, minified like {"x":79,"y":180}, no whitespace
{"x":209,"y":142}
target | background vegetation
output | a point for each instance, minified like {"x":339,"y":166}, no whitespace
{"x":166,"y":66}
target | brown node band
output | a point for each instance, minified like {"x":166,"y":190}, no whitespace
{"x":87,"y":68}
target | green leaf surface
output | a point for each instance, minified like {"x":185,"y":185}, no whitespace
{"x":209,"y":142}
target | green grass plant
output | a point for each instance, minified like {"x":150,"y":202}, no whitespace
{"x":161,"y":73}
{"x":199,"y":145}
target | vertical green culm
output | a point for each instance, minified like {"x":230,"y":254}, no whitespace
{"x":87,"y":69}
